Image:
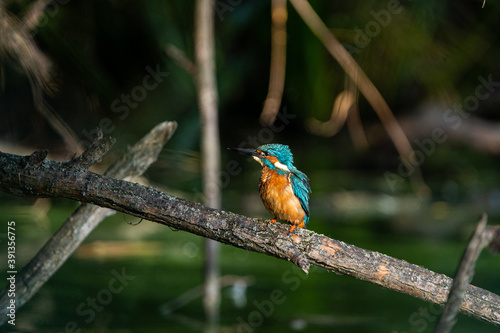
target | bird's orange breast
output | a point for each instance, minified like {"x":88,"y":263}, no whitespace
{"x":278,"y":197}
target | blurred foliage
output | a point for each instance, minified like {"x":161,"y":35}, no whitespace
{"x":101,"y":49}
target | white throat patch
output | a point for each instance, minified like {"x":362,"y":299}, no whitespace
{"x":281,"y":166}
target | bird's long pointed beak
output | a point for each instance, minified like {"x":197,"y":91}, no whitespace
{"x":252,"y":152}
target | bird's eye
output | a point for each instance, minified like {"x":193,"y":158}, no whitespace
{"x":266,"y":153}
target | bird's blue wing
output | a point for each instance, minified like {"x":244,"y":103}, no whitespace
{"x":301,"y":189}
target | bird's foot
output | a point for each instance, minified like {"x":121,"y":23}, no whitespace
{"x":300,"y":225}
{"x":273,"y":220}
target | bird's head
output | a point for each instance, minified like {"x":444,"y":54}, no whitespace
{"x":274,"y":156}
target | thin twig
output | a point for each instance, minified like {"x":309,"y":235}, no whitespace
{"x":279,"y":15}
{"x":17,"y":43}
{"x":175,"y":53}
{"x":35,"y":13}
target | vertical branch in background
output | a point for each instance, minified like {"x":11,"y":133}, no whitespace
{"x":207,"y":101}
{"x":279,"y":15}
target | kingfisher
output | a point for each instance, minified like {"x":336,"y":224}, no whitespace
{"x":284,"y":189}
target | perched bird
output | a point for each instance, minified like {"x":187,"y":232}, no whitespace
{"x":284,"y":190}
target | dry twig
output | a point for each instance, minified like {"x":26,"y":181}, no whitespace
{"x":279,"y":16}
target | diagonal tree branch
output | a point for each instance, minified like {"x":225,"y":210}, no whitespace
{"x":483,"y":236}
{"x":366,"y":87}
{"x":86,"y":217}
{"x":303,"y":247}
